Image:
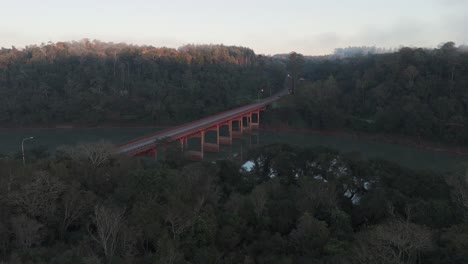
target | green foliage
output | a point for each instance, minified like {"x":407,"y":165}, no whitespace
{"x":295,"y":206}
{"x":453,"y":243}
{"x":417,"y":92}
{"x":92,"y":82}
{"x":295,"y":67}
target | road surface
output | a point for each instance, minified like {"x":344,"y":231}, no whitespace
{"x":143,"y":144}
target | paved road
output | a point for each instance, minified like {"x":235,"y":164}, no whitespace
{"x":142,"y":144}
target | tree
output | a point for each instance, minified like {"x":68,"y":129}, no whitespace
{"x":27,"y":231}
{"x":38,"y":199}
{"x":96,"y":154}
{"x":191,"y":192}
{"x":411,"y":73}
{"x":310,"y":236}
{"x":106,"y":226}
{"x":75,"y":203}
{"x":87,"y":82}
{"x":169,"y":252}
{"x":455,"y":242}
{"x":394,"y":242}
{"x":459,"y":192}
{"x":259,"y":198}
{"x":314,"y":195}
{"x":295,"y":66}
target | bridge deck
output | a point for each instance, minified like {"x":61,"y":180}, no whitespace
{"x":147,"y":142}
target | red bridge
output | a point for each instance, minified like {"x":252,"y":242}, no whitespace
{"x":245,"y":118}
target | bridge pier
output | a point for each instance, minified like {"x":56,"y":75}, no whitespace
{"x":237,"y":133}
{"x":155,"y":154}
{"x":255,"y":116}
{"x":182,"y":144}
{"x":226,"y":140}
{"x":194,"y":154}
{"x":152,"y":153}
{"x":246,"y":124}
{"x":209,"y":146}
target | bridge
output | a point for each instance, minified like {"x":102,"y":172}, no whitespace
{"x":235,"y":122}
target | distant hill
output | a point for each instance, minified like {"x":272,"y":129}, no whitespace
{"x":414,"y":91}
{"x":92,"y":81}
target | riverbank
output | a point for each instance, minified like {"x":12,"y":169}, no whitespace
{"x":369,"y":147}
{"x":381,"y":138}
{"x":105,"y":126}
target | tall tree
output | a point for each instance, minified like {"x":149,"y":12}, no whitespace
{"x":295,"y":67}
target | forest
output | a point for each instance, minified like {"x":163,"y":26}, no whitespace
{"x":422,"y":93}
{"x":86,"y":204}
{"x":93,"y":82}
{"x":294,"y":205}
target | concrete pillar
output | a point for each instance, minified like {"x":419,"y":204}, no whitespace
{"x":152,"y":153}
{"x":226,"y":140}
{"x":195,"y":154}
{"x":209,"y":146}
{"x":237,"y":133}
{"x":202,"y":135}
{"x":241,"y":126}
{"x":255,"y":116}
{"x":181,"y":141}
{"x":246,"y":128}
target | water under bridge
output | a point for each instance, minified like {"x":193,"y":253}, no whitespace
{"x":235,"y":122}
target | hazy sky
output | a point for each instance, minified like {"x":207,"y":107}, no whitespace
{"x":267,"y":26}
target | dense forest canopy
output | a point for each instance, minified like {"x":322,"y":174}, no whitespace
{"x":85,"y":204}
{"x":418,"y":92}
{"x":294,"y":205}
{"x":91,"y":81}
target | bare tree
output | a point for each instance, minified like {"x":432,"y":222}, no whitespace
{"x":108,"y":223}
{"x":394,"y":242}
{"x":38,"y":198}
{"x":179,"y":219}
{"x":75,"y":203}
{"x":128,"y":241}
{"x":96,"y":154}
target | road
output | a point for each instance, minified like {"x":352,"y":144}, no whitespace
{"x":142,"y":144}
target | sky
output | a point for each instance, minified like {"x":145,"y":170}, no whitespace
{"x":309,"y":27}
